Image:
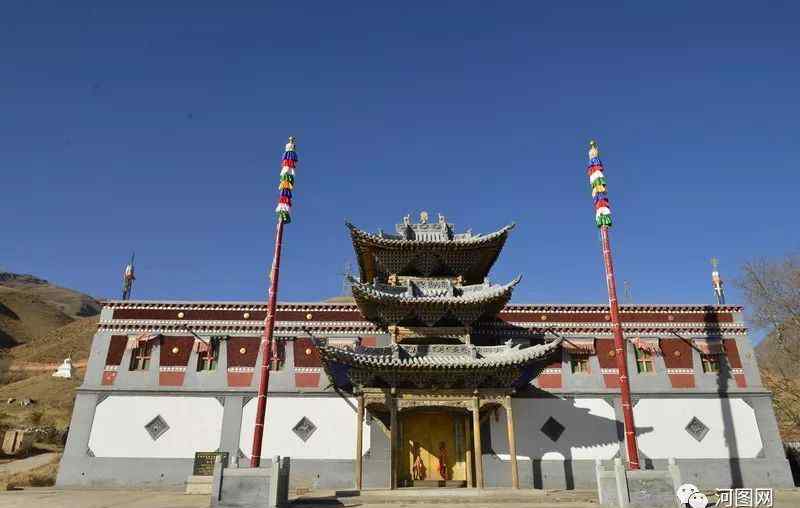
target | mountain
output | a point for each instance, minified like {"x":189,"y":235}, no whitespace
{"x":72,"y":303}
{"x":31,"y":307}
{"x":73,"y":340}
{"x":41,"y":323}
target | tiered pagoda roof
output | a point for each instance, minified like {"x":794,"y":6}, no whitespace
{"x":428,"y":250}
{"x":435,"y":365}
{"x":428,"y":286}
{"x":429,"y":301}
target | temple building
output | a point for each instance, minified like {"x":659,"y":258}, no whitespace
{"x":427,"y":377}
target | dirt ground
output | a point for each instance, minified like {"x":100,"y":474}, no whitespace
{"x":73,"y":498}
{"x":136,"y":498}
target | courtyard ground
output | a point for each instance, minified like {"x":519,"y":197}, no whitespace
{"x":130,"y":498}
{"x":138,"y":498}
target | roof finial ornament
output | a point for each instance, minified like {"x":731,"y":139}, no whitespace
{"x":716,"y":282}
{"x":423,"y":217}
{"x":127,"y":278}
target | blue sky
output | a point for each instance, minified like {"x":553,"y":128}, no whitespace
{"x":160,"y":129}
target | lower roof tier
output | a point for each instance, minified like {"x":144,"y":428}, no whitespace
{"x":437,"y":365}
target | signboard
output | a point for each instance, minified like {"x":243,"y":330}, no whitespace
{"x":204,"y":462}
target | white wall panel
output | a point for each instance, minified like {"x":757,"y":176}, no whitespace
{"x":334,"y":438}
{"x":733,"y":431}
{"x":118,"y":429}
{"x":590,"y":430}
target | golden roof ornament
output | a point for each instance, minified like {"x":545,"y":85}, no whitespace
{"x":423,"y":217}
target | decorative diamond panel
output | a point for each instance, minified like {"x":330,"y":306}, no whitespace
{"x":304,"y":428}
{"x":156,"y":427}
{"x":552,"y":429}
{"x":697,"y":429}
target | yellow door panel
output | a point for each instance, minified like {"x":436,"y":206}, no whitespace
{"x":428,"y":439}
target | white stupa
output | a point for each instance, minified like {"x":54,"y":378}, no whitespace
{"x":64,"y":370}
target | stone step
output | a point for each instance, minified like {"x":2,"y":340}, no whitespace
{"x":199,"y":485}
{"x":453,"y":496}
{"x":427,"y":484}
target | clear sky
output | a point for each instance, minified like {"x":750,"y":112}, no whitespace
{"x":160,"y":129}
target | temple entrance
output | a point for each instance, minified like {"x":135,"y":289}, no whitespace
{"x":433,"y":435}
{"x":434,"y":446}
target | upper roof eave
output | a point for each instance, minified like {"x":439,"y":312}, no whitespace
{"x":359,"y":235}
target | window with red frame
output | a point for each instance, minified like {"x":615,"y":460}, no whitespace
{"x":280,"y":346}
{"x":140,"y":356}
{"x":207,"y":360}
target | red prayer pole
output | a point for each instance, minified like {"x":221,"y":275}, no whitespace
{"x":619,"y":347}
{"x":267,"y":346}
{"x":597,"y":181}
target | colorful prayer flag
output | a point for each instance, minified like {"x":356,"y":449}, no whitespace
{"x":286,"y":184}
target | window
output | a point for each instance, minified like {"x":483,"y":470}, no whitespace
{"x":710,"y":362}
{"x":644,"y":361}
{"x":280,"y":358}
{"x":207,"y":359}
{"x":140,"y":355}
{"x":579,"y":363}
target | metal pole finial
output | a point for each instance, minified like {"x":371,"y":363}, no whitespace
{"x":594,"y":149}
{"x":716,"y":282}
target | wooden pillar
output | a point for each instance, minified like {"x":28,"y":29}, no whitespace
{"x":468,"y":448}
{"x":512,"y":444}
{"x":393,"y":437}
{"x":360,"y":442}
{"x":476,"y":433}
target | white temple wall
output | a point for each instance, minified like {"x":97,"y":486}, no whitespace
{"x":732,"y":428}
{"x":590,"y":429}
{"x":333,"y":438}
{"x":118,"y":428}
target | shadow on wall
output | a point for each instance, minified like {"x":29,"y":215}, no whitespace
{"x":724,"y":377}
{"x":566,"y":429}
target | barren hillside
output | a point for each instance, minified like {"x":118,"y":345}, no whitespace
{"x":72,"y":340}
{"x":31,"y":307}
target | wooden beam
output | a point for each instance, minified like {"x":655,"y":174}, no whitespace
{"x":512,"y":444}
{"x":393,"y":437}
{"x":360,"y":443}
{"x":468,"y":448}
{"x":476,"y":433}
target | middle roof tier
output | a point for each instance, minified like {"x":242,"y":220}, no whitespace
{"x":430,"y":302}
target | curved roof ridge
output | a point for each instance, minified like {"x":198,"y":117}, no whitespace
{"x":475,"y":239}
{"x":510,"y":357}
{"x":491,"y":291}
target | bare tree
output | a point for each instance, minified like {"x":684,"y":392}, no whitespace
{"x":772,"y":289}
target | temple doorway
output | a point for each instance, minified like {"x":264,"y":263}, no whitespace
{"x":434,"y":446}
